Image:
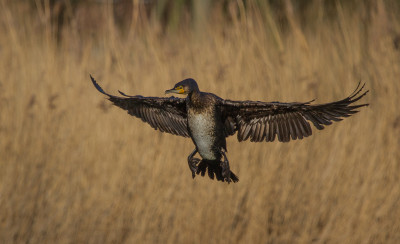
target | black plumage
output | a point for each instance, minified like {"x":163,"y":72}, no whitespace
{"x":209,"y":119}
{"x":165,"y":114}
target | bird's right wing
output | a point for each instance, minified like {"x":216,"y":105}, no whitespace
{"x":165,"y":114}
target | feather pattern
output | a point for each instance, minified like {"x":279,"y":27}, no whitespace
{"x":262,"y":121}
{"x":209,"y":119}
{"x":165,"y":114}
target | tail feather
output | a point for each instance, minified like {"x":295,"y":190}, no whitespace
{"x":214,"y":170}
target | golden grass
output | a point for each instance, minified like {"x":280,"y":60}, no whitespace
{"x":76,"y":170}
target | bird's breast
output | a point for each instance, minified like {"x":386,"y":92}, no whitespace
{"x":202,"y":127}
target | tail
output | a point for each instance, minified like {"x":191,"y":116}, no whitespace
{"x":214,"y":170}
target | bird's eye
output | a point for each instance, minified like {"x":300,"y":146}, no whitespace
{"x":179,"y":88}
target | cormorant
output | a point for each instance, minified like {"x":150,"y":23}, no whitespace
{"x":209,"y":119}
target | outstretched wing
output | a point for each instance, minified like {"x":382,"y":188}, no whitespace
{"x":261,"y":121}
{"x":165,"y":114}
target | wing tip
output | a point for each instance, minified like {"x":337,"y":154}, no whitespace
{"x":123,"y":94}
{"x":98,"y":87}
{"x":358,"y":89}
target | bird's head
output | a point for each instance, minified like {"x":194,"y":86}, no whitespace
{"x":186,"y":86}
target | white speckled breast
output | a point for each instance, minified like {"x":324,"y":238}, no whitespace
{"x":201,"y":130}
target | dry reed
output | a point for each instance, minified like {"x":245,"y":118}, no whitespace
{"x":76,"y":170}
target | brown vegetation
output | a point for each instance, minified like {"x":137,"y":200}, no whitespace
{"x":73,"y":169}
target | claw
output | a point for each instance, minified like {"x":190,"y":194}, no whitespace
{"x":219,"y":170}
{"x":226,"y":171}
{"x":193,"y":166}
{"x":193,"y":162}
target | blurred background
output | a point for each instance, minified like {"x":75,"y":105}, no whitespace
{"x":74,"y":169}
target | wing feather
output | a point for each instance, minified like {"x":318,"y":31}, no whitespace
{"x":164,"y":114}
{"x":292,"y":128}
{"x":246,"y":132}
{"x":266,"y":128}
{"x":298,"y":126}
{"x":279,"y":128}
{"x":262,"y":121}
{"x":286,"y":125}
{"x":273,"y":130}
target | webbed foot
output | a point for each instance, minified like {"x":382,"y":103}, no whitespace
{"x":226,"y":171}
{"x":193,"y":162}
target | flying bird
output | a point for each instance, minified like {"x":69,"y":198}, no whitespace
{"x":208,"y":120}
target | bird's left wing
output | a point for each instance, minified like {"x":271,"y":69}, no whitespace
{"x":262,"y":121}
{"x":165,"y":114}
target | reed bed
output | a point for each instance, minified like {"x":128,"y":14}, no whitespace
{"x":74,"y":169}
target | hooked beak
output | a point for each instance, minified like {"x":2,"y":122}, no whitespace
{"x":174,"y":90}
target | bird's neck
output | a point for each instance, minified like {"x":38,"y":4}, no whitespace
{"x":195,"y":94}
{"x":195,"y":98}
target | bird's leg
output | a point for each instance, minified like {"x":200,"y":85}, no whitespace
{"x":193,"y":162}
{"x":226,"y":171}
